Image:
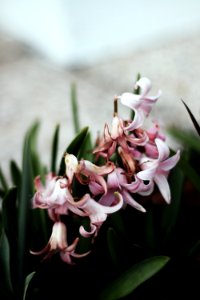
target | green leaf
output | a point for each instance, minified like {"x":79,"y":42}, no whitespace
{"x":188,"y":139}
{"x":9,"y":213}
{"x":194,"y":121}
{"x":74,"y":148}
{"x":15,"y":173}
{"x":5,"y":281}
{"x":86,"y":148}
{"x":26,"y":194}
{"x":190,"y":173}
{"x":74,"y":105}
{"x":134,"y":277}
{"x":37,"y":166}
{"x":3,"y":181}
{"x":113,"y":246}
{"x":54,"y":151}
{"x":27,"y":281}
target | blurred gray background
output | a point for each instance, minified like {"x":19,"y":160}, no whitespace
{"x":46,"y":45}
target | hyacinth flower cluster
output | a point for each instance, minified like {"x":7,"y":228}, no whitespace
{"x":128,"y":160}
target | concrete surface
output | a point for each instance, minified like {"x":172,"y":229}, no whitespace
{"x":31,"y":88}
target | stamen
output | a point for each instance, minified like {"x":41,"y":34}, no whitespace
{"x":115,"y":106}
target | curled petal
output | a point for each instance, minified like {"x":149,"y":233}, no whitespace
{"x":86,"y":233}
{"x":144,"y":84}
{"x":163,"y":149}
{"x":88,"y":168}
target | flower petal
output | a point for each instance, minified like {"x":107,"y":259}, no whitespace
{"x":163,"y":186}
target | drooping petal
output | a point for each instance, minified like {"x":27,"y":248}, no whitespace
{"x":163,"y":186}
{"x":130,"y":100}
{"x":144,"y":84}
{"x":129,"y":200}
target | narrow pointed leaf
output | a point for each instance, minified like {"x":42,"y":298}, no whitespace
{"x":24,"y":212}
{"x":3,"y":181}
{"x":27,"y":281}
{"x":194,"y":121}
{"x":74,"y":148}
{"x":15,"y":173}
{"x":86,"y":148}
{"x":134,"y":277}
{"x":5,"y":281}
{"x":74,"y":105}
{"x":54,"y":151}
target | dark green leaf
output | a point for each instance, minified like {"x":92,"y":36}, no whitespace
{"x":74,"y":105}
{"x":74,"y":148}
{"x":37,"y":166}
{"x":188,"y":139}
{"x":5,"y":281}
{"x":190,"y":173}
{"x":9,"y":213}
{"x":26,"y":194}
{"x":113,"y":246}
{"x":15,"y":173}
{"x":194,"y":121}
{"x":86,"y":148}
{"x":54,"y":150}
{"x":3,"y":181}
{"x":27,"y":281}
{"x":134,"y":277}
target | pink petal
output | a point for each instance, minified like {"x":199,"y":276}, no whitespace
{"x":86,"y":233}
{"x":163,"y":149}
{"x":129,"y":200}
{"x":163,"y":186}
{"x":144,"y":84}
{"x":170,"y":162}
{"x":130,"y":100}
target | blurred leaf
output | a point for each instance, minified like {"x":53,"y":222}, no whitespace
{"x":113,"y":246}
{"x":150,"y":230}
{"x":5,"y":281}
{"x":27,"y":281}
{"x":132,"y":278}
{"x":170,"y":212}
{"x":3,"y":181}
{"x":86,"y":148}
{"x":194,"y":121}
{"x":26,"y":194}
{"x":190,"y":172}
{"x":188,"y":139}
{"x":10,"y":225}
{"x":54,"y":151}
{"x":37,"y":167}
{"x":15,"y":173}
{"x":74,"y":105}
{"x":74,"y":148}
{"x":9,"y":213}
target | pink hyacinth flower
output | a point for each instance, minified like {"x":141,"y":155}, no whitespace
{"x":157,"y":170}
{"x":141,"y":104}
{"x":58,"y":243}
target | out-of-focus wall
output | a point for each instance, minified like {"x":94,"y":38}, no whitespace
{"x":74,"y":32}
